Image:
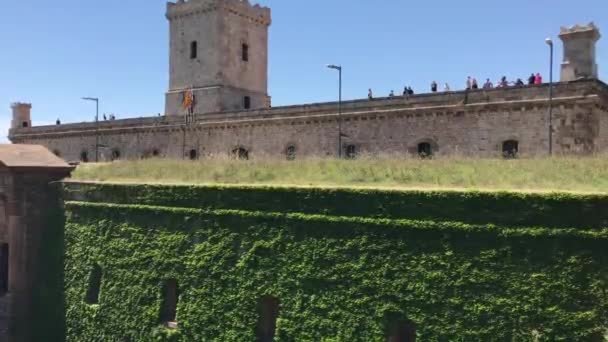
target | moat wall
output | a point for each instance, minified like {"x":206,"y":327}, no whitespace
{"x":473,"y":123}
{"x":342,"y":265}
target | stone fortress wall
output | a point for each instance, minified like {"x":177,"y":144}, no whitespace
{"x":391,"y":125}
{"x":214,"y":70}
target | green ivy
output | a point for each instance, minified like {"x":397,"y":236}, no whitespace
{"x":340,"y":274}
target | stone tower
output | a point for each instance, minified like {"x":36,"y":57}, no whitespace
{"x":21,"y":115}
{"x":218,"y":56}
{"x":579,"y":52}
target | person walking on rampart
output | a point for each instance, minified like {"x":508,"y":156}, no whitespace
{"x":469,"y":83}
{"x":446,"y":87}
{"x":392,"y":94}
{"x":538,"y":79}
{"x":474,"y":84}
{"x":434,"y":87}
{"x":532,"y":79}
{"x":488,"y":84}
{"x":370,"y":95}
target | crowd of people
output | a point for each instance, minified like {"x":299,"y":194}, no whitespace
{"x":472,"y":84}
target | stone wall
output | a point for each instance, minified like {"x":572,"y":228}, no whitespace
{"x":471,"y":123}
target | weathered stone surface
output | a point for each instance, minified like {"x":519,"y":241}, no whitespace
{"x":25,"y":201}
{"x":394,"y":125}
{"x":218,"y":76}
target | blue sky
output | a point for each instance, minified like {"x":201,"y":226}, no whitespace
{"x":54,"y":52}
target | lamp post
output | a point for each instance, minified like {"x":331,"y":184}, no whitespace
{"x":96,"y":125}
{"x":550,"y":43}
{"x":339,"y":68}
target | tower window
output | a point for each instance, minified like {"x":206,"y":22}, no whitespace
{"x":193,"y":49}
{"x":247,"y":102}
{"x":25,"y":124}
{"x":92,"y":296}
{"x":168,"y":313}
{"x":425,"y":150}
{"x":245,"y":52}
{"x":510,"y":149}
{"x":268,"y":310}
{"x":84,"y":156}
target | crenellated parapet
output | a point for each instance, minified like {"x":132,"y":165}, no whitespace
{"x":590,"y":30}
{"x":243,"y":8}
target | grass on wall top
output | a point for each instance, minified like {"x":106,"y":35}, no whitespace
{"x":577,"y":174}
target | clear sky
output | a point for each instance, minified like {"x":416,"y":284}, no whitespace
{"x":54,"y":52}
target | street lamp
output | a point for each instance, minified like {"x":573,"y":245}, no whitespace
{"x":96,"y":125}
{"x":550,"y":43}
{"x":339,"y":68}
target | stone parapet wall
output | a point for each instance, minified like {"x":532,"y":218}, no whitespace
{"x":471,"y":123}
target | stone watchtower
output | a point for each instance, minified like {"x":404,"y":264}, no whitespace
{"x":218,"y":56}
{"x":579,"y":52}
{"x":21,"y":115}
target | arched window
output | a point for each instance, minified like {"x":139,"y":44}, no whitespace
{"x":25,"y":124}
{"x":240,"y":153}
{"x":245,"y":52}
{"x":193,"y":50}
{"x":92,"y":296}
{"x":510,"y":148}
{"x":247,"y":102}
{"x":84,"y":156}
{"x":268,"y":310}
{"x":402,"y":331}
{"x":193,"y":154}
{"x":115,"y":154}
{"x":350,"y":152}
{"x":170,"y":297}
{"x":425,"y":150}
{"x":155,"y":153}
{"x":291,"y":152}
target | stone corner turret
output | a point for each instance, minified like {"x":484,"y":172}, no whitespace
{"x":21,"y":115}
{"x":579,"y":52}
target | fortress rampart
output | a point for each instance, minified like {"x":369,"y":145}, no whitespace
{"x":467,"y":122}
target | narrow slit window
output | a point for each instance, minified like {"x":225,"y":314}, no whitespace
{"x":245,"y":52}
{"x":92,"y":296}
{"x":268,"y":310}
{"x":168,"y":312}
{"x":247,"y":102}
{"x":4,"y":269}
{"x":193,"y":50}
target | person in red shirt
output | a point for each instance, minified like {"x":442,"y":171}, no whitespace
{"x":538,"y":79}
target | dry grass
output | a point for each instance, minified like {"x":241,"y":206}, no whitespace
{"x":577,"y":174}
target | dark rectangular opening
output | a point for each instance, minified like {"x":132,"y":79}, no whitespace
{"x":3,"y":269}
{"x":247,"y":102}
{"x":92,"y":296}
{"x":193,"y":50}
{"x":245,"y":52}
{"x":168,"y":312}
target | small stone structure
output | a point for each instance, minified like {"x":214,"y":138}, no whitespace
{"x":218,"y":104}
{"x":25,"y":201}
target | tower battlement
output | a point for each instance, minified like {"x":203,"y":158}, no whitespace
{"x":242,"y":8}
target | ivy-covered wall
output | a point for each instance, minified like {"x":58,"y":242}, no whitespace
{"x":344,"y":264}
